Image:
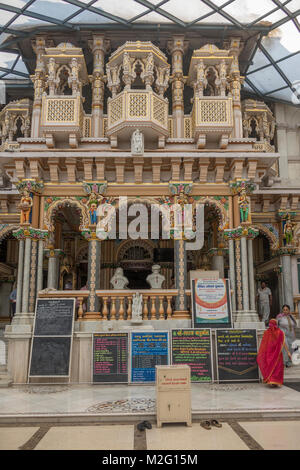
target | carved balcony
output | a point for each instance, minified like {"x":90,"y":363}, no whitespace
{"x":142,"y":109}
{"x":212,"y":121}
{"x":62,"y":116}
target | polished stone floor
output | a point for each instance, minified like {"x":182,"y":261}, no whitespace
{"x":261,"y":434}
{"x":253,"y":417}
{"x":87,"y":400}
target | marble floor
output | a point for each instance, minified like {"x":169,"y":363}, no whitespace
{"x":272,"y":420}
{"x":89,"y":400}
{"x":233,"y":435}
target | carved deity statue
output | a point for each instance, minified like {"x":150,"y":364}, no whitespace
{"x":288,"y":232}
{"x":155,"y":279}
{"x":119,"y":281}
{"x":93,"y":204}
{"x":25,"y":205}
{"x":137,"y":143}
{"x":244,"y":205}
{"x":137,"y":307}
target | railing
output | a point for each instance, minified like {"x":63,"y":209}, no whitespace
{"x":158,"y":304}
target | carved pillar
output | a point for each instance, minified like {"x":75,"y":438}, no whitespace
{"x":99,"y":47}
{"x":20,"y":276}
{"x":94,"y":263}
{"x":39,"y":45}
{"x":53,"y":267}
{"x":235,"y":86}
{"x":177,"y":47}
{"x":180,"y":263}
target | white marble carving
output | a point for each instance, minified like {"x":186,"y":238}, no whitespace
{"x":137,"y":308}
{"x":137,"y":143}
{"x":119,"y":281}
{"x":155,"y":279}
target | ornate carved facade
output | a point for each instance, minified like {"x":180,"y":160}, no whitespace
{"x":69,"y":153}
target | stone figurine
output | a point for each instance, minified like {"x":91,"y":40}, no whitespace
{"x":137,"y":307}
{"x":155,"y":279}
{"x":119,"y":281}
{"x":137,"y":143}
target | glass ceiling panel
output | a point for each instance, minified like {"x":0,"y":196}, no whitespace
{"x":249,"y":9}
{"x":285,"y":95}
{"x":267,"y":80}
{"x":293,"y":6}
{"x":89,"y":17}
{"x":127,"y":10}
{"x":281,"y":17}
{"x":52,"y":7}
{"x":291,"y":67}
{"x":187,"y":11}
{"x":5,"y":17}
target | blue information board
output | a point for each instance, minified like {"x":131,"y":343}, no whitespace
{"x":148,"y":349}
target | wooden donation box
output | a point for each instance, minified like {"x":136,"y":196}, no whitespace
{"x":173,"y":394}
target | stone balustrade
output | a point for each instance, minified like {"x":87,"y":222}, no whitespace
{"x":158,"y":304}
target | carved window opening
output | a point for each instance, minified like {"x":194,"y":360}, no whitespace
{"x":138,"y":83}
{"x":211,"y":88}
{"x":18,"y":129}
{"x":63,"y":85}
{"x":253,"y":126}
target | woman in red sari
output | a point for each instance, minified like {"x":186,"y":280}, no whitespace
{"x":269,"y":357}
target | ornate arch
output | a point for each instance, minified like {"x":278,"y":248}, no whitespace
{"x":221,"y":205}
{"x":6,"y":229}
{"x":271,"y":235}
{"x":55,"y":206}
{"x":148,"y":245}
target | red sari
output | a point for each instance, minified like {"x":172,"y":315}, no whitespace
{"x":269,"y":357}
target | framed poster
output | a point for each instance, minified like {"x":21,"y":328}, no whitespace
{"x":110,"y":357}
{"x":193,"y":347}
{"x":236,"y":355}
{"x":211,"y":303}
{"x":148,"y":349}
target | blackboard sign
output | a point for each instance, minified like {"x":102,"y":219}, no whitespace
{"x":236,"y":355}
{"x":148,"y":349}
{"x":50,"y":356}
{"x":193,"y":347}
{"x":54,"y":317}
{"x":52,"y":338}
{"x":211,"y":303}
{"x":110,"y":357}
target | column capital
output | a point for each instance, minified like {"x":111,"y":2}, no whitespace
{"x":244,"y":231}
{"x":34,"y":186}
{"x":238,"y":185}
{"x":25,"y":231}
{"x":51,"y":252}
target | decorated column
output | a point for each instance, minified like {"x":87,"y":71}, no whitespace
{"x":286,"y":250}
{"x":99,"y":47}
{"x":241,"y":252}
{"x":96,"y":193}
{"x":177,"y":47}
{"x":39,"y":44}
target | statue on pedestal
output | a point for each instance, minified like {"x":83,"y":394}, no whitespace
{"x":288,"y":232}
{"x":119,"y":281}
{"x":155,"y":279}
{"x":137,"y":308}
{"x":137,"y":143}
{"x":244,"y":205}
{"x":93,"y":204}
{"x":25,"y":205}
